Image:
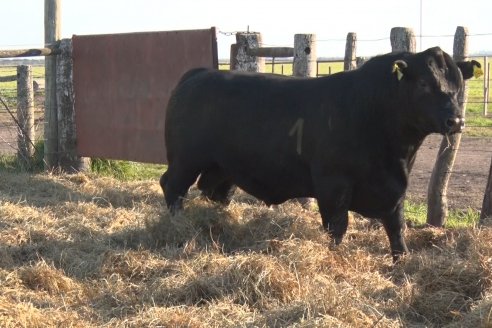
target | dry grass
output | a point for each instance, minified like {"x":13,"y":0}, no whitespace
{"x":83,"y":251}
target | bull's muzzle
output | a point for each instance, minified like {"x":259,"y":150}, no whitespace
{"x":455,"y":125}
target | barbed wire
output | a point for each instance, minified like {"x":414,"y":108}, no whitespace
{"x":231,"y":33}
{"x":362,"y":40}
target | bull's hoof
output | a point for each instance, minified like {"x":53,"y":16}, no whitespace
{"x":337,"y":240}
{"x":398,"y":257}
{"x":175,"y":207}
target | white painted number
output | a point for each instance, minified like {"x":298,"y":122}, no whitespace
{"x":297,"y":128}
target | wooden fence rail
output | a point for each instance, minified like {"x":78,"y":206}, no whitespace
{"x":28,"y":53}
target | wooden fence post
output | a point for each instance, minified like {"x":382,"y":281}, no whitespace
{"x":68,"y":159}
{"x":437,"y":204}
{"x":245,"y":61}
{"x":51,"y":36}
{"x":304,"y":55}
{"x":305,"y":65}
{"x":350,"y":60}
{"x":402,"y":39}
{"x":233,"y":57}
{"x":359,"y":61}
{"x":25,"y":115}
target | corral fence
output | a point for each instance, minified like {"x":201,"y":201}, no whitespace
{"x":22,"y":103}
{"x":84,"y":75}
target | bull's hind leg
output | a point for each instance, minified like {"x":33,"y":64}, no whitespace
{"x":175,"y":184}
{"x":216,"y":185}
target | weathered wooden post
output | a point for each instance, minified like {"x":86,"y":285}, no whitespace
{"x":402,"y":39}
{"x":350,"y":60}
{"x":305,"y":65}
{"x":233,"y":57}
{"x":304,"y":55}
{"x":25,"y":115}
{"x":244,"y":60}
{"x":437,"y":204}
{"x":360,"y":61}
{"x":68,"y":160}
{"x":52,"y":14}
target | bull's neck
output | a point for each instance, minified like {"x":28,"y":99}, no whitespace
{"x":405,"y":138}
{"x":397,"y":132}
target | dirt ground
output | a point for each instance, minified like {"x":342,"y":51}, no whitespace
{"x":467,"y":183}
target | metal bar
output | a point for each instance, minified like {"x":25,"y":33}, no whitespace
{"x":10,"y":78}
{"x":271,"y":52}
{"x":335,"y":60}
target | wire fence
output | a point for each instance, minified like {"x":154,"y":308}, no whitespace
{"x":9,"y":130}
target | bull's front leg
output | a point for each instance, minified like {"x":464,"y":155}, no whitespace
{"x":395,"y":227}
{"x":333,"y":197}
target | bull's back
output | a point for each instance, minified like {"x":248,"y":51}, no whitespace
{"x":232,"y":101}
{"x":215,"y":105}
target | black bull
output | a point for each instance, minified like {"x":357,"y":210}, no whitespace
{"x":349,"y":140}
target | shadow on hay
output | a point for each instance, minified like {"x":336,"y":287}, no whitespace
{"x":45,"y":190}
{"x":236,"y":228}
{"x":37,"y":190}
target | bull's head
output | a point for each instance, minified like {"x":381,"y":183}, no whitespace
{"x":431,"y":82}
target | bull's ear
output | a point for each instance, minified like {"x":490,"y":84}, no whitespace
{"x":399,"y":67}
{"x":470,"y":68}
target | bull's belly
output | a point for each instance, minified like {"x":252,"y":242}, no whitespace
{"x":275,"y":188}
{"x":272,"y":178}
{"x":377,"y":201}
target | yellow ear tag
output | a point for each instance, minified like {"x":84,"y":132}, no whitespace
{"x":477,"y":71}
{"x":397,"y":69}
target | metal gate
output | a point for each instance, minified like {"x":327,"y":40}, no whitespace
{"x":122,"y":83}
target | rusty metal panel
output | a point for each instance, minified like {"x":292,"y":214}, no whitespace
{"x":122,"y":83}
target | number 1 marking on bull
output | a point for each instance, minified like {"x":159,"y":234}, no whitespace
{"x":298,"y":128}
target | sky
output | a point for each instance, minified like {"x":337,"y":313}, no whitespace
{"x":22,"y":22}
